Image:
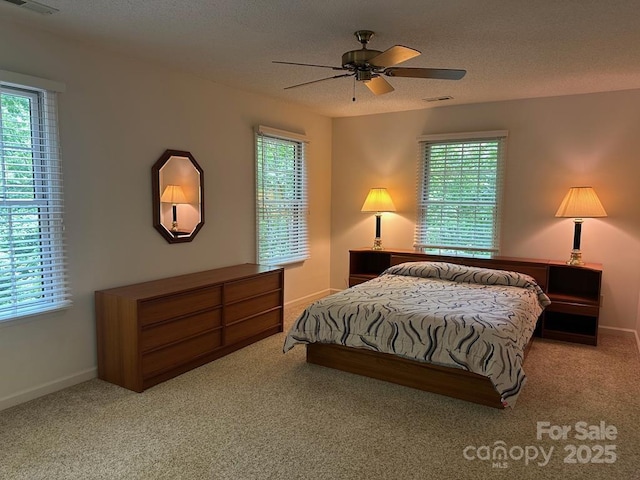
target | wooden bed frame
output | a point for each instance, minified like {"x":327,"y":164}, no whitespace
{"x":449,"y":381}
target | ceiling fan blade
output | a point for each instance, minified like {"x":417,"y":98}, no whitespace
{"x":436,"y":73}
{"x":321,"y":80}
{"x":379,"y":86}
{"x":393,"y":56}
{"x":310,"y":65}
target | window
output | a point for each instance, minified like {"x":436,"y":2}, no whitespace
{"x":281,"y":197}
{"x":32,"y":263}
{"x":459,"y":193}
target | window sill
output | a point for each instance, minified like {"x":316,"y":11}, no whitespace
{"x":31,"y":316}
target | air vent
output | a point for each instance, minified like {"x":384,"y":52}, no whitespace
{"x":438,"y":99}
{"x":33,"y":6}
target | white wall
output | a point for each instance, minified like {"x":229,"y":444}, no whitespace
{"x":554,"y":143}
{"x":117,"y":117}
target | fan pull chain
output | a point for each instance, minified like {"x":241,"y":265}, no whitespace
{"x":354,"y":89}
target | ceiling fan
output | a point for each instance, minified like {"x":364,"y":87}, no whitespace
{"x":369,"y":66}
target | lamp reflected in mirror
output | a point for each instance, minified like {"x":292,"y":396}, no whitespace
{"x":177,"y":188}
{"x":174,"y":195}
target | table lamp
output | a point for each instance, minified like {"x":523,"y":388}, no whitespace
{"x":378,"y":200}
{"x":173,"y":194}
{"x":579,"y":203}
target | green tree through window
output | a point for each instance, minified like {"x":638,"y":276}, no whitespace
{"x":459,"y":193}
{"x":281,"y":200}
{"x":32,"y":277}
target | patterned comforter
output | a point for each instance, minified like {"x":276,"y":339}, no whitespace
{"x":476,"y":319}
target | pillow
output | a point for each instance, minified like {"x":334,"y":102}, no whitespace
{"x":465,"y":274}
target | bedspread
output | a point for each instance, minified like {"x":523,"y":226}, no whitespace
{"x":476,"y":319}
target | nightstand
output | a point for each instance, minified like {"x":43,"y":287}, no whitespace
{"x":575,"y":303}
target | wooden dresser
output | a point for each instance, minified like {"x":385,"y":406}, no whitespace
{"x":150,"y":332}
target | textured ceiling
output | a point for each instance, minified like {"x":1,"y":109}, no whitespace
{"x":511,"y":49}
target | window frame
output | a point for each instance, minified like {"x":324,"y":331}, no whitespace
{"x":293,"y":244}
{"x":50,"y":270}
{"x":443,"y":246}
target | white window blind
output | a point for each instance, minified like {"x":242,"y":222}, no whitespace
{"x":32,"y":257}
{"x":460,"y":180}
{"x":281,"y":197}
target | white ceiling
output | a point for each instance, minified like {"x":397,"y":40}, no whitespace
{"x":511,"y":49}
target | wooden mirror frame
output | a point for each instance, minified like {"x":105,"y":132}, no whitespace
{"x":156,"y":191}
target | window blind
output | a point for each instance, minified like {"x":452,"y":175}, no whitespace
{"x":32,"y":253}
{"x":460,"y":181}
{"x":281,"y":197}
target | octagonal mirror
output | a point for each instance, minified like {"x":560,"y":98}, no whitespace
{"x":178,"y":196}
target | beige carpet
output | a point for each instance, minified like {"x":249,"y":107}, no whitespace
{"x":260,"y":414}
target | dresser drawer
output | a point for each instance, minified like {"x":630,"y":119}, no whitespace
{"x":152,"y":331}
{"x":170,"y":332}
{"x":240,"y":310}
{"x":252,"y":326}
{"x":179,"y":353}
{"x":253,"y":286}
{"x":171,"y":306}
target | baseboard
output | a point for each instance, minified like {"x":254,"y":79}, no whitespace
{"x":49,"y":387}
{"x":55,"y":385}
{"x":623,"y":331}
{"x":310,"y":298}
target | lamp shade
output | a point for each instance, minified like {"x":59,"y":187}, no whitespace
{"x":378,"y":200}
{"x":581,"y":202}
{"x":173,"y":194}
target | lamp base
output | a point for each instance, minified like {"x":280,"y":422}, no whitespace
{"x":576,"y":258}
{"x":377,"y":244}
{"x":174,"y":226}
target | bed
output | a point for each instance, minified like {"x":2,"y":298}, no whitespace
{"x":452,"y":329}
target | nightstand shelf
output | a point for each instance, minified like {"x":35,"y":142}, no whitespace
{"x":570,"y":327}
{"x":367,"y":264}
{"x":573,"y":299}
{"x":574,"y":291}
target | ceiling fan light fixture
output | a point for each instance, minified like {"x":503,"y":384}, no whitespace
{"x":369,"y":66}
{"x":364,"y":75}
{"x":358,"y":58}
